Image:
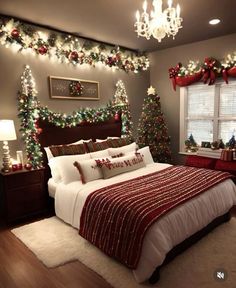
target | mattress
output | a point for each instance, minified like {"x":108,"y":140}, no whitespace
{"x":52,"y":186}
{"x":171,"y":229}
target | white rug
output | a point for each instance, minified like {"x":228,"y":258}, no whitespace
{"x":56,"y":243}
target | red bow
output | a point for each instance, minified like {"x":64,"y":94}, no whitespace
{"x":208,"y":71}
{"x":173,"y":72}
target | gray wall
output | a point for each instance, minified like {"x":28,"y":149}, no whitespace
{"x":12,"y":66}
{"x":161,"y":61}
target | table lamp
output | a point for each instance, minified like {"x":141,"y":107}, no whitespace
{"x":7,"y":132}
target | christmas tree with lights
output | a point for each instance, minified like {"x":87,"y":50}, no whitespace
{"x":28,"y":113}
{"x":152,"y":130}
{"x":121,"y":104}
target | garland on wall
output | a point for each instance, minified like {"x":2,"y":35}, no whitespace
{"x":206,"y":72}
{"x":30,"y":110}
{"x":66,"y":48}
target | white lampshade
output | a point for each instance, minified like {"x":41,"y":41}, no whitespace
{"x":7,"y":130}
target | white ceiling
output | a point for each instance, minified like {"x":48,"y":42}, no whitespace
{"x":113,"y":21}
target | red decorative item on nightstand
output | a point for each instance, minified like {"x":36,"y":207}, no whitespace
{"x":28,"y":166}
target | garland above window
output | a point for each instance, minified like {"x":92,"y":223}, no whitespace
{"x":206,"y":72}
{"x":30,"y":111}
{"x":67,"y":48}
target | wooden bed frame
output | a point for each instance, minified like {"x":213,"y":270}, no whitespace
{"x":52,"y":135}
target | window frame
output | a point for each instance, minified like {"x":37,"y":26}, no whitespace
{"x":216,"y":118}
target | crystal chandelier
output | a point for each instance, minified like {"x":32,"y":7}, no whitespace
{"x":159,"y":23}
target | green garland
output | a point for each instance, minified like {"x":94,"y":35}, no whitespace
{"x":66,"y":48}
{"x":30,"y":111}
{"x":195,"y":66}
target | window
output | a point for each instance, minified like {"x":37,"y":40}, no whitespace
{"x":208,"y":112}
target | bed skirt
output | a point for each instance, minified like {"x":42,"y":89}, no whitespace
{"x":178,"y":249}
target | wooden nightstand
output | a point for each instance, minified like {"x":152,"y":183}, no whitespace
{"x":22,"y":194}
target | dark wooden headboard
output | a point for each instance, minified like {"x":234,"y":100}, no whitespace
{"x":53,"y":135}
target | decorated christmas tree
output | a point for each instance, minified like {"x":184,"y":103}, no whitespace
{"x":152,"y":130}
{"x":121,"y":104}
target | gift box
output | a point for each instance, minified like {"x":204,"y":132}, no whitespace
{"x":226,"y":155}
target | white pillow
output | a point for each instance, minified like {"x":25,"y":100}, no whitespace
{"x":99,"y":154}
{"x":146,"y":154}
{"x":122,"y":150}
{"x":113,"y":137}
{"x":80,"y":142}
{"x":100,"y":140}
{"x":63,"y":170}
{"x":55,"y":172}
{"x":115,"y":166}
{"x":48,"y":153}
{"x":88,"y":170}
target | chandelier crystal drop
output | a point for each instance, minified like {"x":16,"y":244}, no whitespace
{"x":159,"y":23}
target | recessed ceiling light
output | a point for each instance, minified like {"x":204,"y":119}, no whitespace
{"x":214,"y":21}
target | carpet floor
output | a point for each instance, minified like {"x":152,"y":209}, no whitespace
{"x":56,"y":243}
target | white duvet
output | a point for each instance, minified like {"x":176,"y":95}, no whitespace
{"x":165,"y":233}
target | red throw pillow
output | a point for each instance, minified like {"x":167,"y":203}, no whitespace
{"x":60,"y":150}
{"x":97,"y":146}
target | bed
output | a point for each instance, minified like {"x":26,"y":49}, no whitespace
{"x":169,"y":235}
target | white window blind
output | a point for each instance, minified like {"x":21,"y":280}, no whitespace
{"x":226,"y":130}
{"x":228,"y":100}
{"x":209,"y":112}
{"x":200,"y":101}
{"x":202,"y":130}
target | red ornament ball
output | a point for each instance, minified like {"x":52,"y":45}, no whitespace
{"x":117,"y":117}
{"x":39,"y":130}
{"x":15,"y":33}
{"x":74,"y":55}
{"x":43,"y":50}
{"x":83,"y":122}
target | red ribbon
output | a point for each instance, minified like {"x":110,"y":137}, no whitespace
{"x":225,"y":75}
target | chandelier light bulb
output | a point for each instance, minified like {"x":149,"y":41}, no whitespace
{"x":145,"y":6}
{"x":160,"y":22}
{"x":178,"y":11}
{"x":169,"y":3}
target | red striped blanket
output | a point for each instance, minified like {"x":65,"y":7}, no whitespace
{"x":115,"y":218}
